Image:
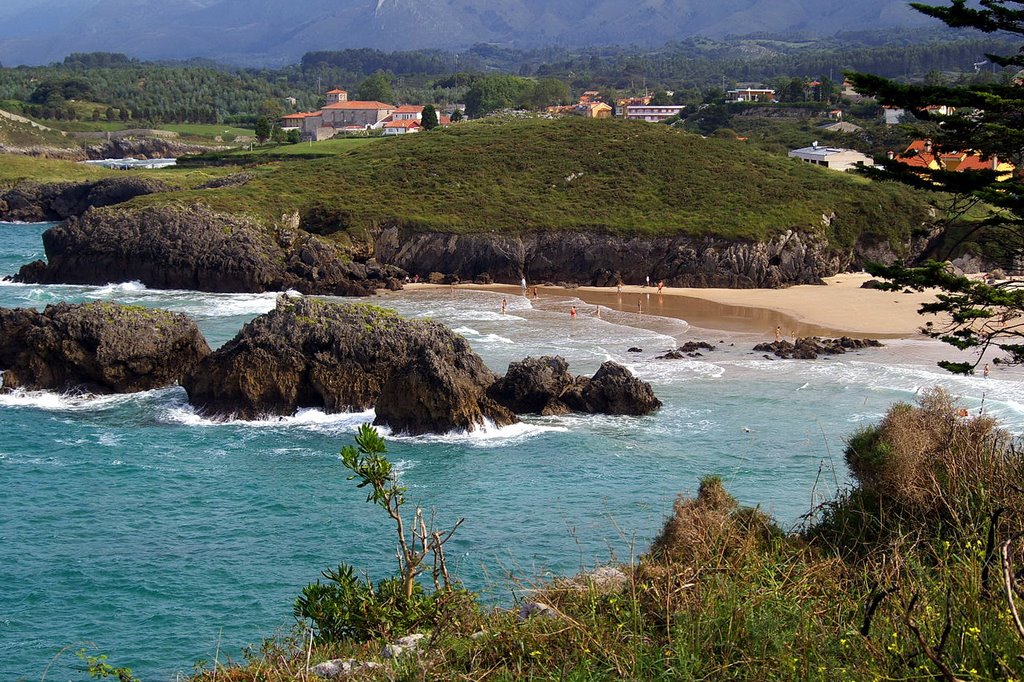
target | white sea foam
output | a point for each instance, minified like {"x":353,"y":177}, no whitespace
{"x":309,"y":418}
{"x":480,"y":337}
{"x":67,"y":402}
{"x":489,"y":435}
{"x":114,"y":288}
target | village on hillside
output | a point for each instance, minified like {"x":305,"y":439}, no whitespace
{"x":340,"y":115}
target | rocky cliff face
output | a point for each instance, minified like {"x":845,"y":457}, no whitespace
{"x":136,"y":148}
{"x":97,"y":347}
{"x":420,"y":376}
{"x":175,"y":247}
{"x":34,"y":202}
{"x":601,"y":259}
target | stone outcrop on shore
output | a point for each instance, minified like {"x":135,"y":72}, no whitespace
{"x":137,"y":147}
{"x":419,"y":376}
{"x":810,"y":347}
{"x":193,"y":247}
{"x":544,"y":386}
{"x":39,"y":202}
{"x":97,"y":348}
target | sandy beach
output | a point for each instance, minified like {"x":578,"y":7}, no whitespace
{"x":841,"y":307}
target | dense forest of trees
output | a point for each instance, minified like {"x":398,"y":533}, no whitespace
{"x":202,"y":92}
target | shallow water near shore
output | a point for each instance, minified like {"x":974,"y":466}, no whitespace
{"x":158,"y":537}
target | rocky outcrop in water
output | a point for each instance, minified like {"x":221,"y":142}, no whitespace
{"x":97,"y":348}
{"x":545,"y":386}
{"x":690,"y":349}
{"x":419,"y":376}
{"x":601,"y":259}
{"x":179,"y":247}
{"x":809,"y":348}
{"x":36,"y":202}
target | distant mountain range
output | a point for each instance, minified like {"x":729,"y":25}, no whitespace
{"x":276,"y":32}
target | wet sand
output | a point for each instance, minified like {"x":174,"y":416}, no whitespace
{"x":840,"y":308}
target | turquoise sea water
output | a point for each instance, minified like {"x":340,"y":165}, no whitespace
{"x":134,"y":525}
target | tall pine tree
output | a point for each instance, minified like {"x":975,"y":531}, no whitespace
{"x":984,"y":207}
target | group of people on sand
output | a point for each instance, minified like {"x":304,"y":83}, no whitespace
{"x":647,"y":283}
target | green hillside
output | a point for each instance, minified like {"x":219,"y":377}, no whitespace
{"x":568,"y":174}
{"x":19,"y":134}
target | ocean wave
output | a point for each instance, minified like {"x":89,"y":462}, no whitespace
{"x":72,"y":402}
{"x":489,"y":435}
{"x":112,"y":288}
{"x":308,"y":418}
{"x":474,"y":335}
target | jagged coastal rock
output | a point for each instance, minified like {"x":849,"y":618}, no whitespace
{"x":36,"y":202}
{"x":545,"y":386}
{"x":193,"y":247}
{"x":97,"y":348}
{"x":809,"y":348}
{"x":601,"y":259}
{"x":419,"y":376}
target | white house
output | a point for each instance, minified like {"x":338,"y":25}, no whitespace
{"x":653,"y":113}
{"x":835,"y":158}
{"x":750,"y":95}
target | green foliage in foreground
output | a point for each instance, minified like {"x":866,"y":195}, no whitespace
{"x":910,"y":574}
{"x":573,"y":174}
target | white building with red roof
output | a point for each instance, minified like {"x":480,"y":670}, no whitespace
{"x":340,"y":114}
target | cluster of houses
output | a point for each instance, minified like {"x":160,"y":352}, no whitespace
{"x":919,"y":154}
{"x":590,"y":105}
{"x":341,"y":115}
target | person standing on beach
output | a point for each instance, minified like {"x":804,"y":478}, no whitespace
{"x":661,"y":285}
{"x":647,"y":281}
{"x":597,"y":313}
{"x":618,"y":285}
{"x":504,"y":305}
{"x":984,"y":372}
{"x":639,"y":307}
{"x":523,"y":282}
{"x":572,"y":311}
{"x":778,"y":333}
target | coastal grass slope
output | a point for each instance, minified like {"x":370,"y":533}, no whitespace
{"x":570,"y":174}
{"x":907,"y":574}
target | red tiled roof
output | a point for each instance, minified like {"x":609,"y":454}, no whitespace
{"x":302,"y":114}
{"x":409,"y":109}
{"x":405,"y":123}
{"x":336,"y":91}
{"x":360,"y":105}
{"x":919,"y":155}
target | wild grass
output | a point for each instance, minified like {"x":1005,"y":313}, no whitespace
{"x":723,"y":593}
{"x":15,"y":168}
{"x":574,"y":174}
{"x":17,"y":134}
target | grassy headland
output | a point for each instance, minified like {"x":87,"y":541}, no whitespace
{"x":569,"y":174}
